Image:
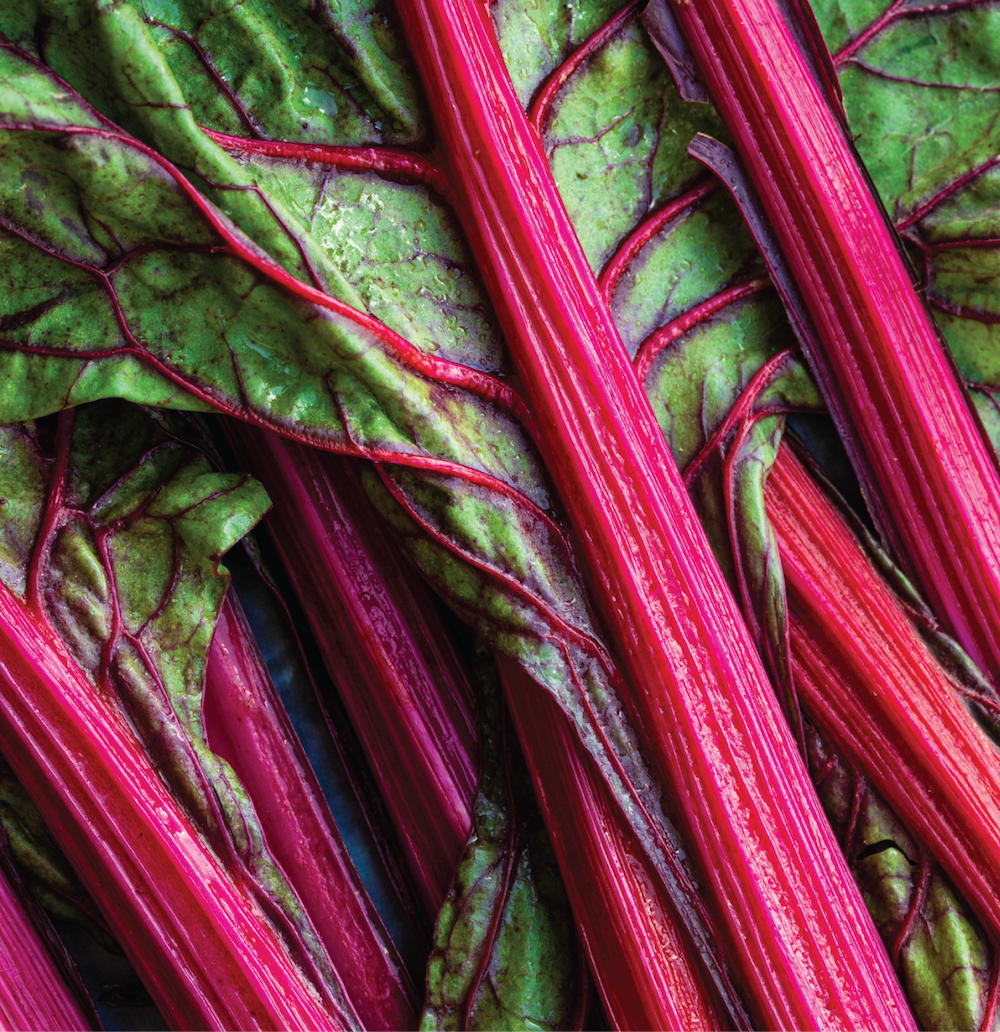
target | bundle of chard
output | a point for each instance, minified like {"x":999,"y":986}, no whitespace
{"x":505,"y":308}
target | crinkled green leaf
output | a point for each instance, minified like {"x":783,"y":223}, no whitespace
{"x":617,"y":138}
{"x":704,"y":250}
{"x":537,"y":36}
{"x":401,"y":250}
{"x":296,"y":71}
{"x":504,"y":949}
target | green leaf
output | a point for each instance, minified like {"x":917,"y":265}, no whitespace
{"x":504,"y":947}
{"x":536,"y":36}
{"x":294,"y":71}
{"x":616,"y":138}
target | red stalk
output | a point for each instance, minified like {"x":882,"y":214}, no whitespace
{"x":247,"y":725}
{"x":794,"y":924}
{"x":203,"y":949}
{"x":928,"y":475}
{"x":406,"y":693}
{"x":33,"y":995}
{"x":641,"y":958}
{"x":863,"y":671}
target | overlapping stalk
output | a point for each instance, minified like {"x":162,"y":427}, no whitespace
{"x":247,"y":725}
{"x":640,"y":955}
{"x":33,"y":994}
{"x":928,"y":476}
{"x":648,"y":976}
{"x":871,"y":683}
{"x":205,"y":952}
{"x":805,"y":948}
{"x":406,"y":693}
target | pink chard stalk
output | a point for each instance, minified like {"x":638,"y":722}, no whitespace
{"x":648,"y":974}
{"x":676,"y":627}
{"x":930,"y":761}
{"x":34,"y":993}
{"x":247,"y":726}
{"x":928,"y":475}
{"x":405,"y":691}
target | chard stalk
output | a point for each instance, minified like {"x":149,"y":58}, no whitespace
{"x":793,"y":922}
{"x":33,"y":994}
{"x":247,"y":725}
{"x":865,"y":674}
{"x":928,"y":476}
{"x":640,"y":955}
{"x":404,"y":689}
{"x":205,"y":952}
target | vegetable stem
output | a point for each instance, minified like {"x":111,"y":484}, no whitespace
{"x":247,"y":725}
{"x":870,"y":682}
{"x":794,"y":923}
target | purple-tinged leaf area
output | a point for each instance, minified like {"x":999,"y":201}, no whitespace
{"x":504,"y":953}
{"x":42,"y":866}
{"x":942,"y":954}
{"x":699,"y":253}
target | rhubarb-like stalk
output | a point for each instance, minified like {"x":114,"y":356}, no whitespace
{"x":641,"y":958}
{"x":33,"y":995}
{"x":794,"y":924}
{"x":928,"y":475}
{"x":201,"y":945}
{"x":247,"y":725}
{"x":863,"y":672}
{"x":405,"y":691}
